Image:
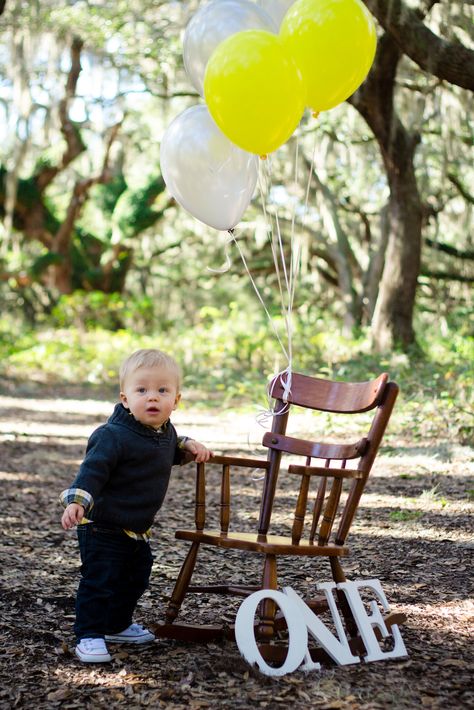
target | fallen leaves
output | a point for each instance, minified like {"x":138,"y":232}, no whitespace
{"x":60,"y":694}
{"x":425,"y":575}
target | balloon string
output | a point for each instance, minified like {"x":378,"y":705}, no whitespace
{"x":308,"y":185}
{"x":286,"y":308}
{"x":280,"y":250}
{"x":266,"y":415}
{"x":285,"y":376}
{"x":255,"y":287}
{"x":286,"y":275}
{"x":277,"y":249}
{"x":228,"y":263}
{"x":269,"y":223}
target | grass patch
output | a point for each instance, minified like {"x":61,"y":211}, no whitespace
{"x":228,"y":358}
{"x":401,"y":516}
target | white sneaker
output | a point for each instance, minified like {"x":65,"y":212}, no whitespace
{"x":93,"y":651}
{"x":134,"y":634}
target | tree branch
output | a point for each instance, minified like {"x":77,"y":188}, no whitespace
{"x":80,"y":194}
{"x":380,"y":85}
{"x":72,"y":136}
{"x":447,"y":276}
{"x":468,"y":196}
{"x":449,"y":61}
{"x":448,"y":249}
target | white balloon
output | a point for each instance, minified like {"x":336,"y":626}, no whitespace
{"x":204,"y":171}
{"x":276,"y":9}
{"x":211,"y":25}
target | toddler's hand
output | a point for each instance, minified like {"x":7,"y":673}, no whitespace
{"x":72,"y":515}
{"x":201,"y":453}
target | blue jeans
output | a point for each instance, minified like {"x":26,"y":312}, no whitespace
{"x":115,"y":572}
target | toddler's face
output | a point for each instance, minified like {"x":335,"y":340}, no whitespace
{"x":151,"y":394}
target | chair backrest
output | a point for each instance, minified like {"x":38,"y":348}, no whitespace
{"x":339,"y":398}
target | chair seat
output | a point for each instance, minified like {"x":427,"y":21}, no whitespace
{"x":267,"y":544}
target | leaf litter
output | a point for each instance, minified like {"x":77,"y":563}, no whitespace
{"x":423,"y":562}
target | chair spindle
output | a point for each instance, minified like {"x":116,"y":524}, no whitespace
{"x":200,"y":508}
{"x":300,"y":512}
{"x":318,"y":504}
{"x":331,"y":509}
{"x":225,"y":498}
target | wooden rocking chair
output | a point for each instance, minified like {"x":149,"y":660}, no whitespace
{"x":315,"y":394}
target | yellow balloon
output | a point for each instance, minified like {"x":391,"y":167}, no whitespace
{"x":333,"y":43}
{"x":254,"y":91}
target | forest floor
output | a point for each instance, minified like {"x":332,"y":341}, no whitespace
{"x":412,"y":533}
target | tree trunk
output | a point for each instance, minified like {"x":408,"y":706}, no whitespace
{"x":448,"y":60}
{"x":405,"y":32}
{"x":392,"y":324}
{"x":343,"y":256}
{"x":373,"y":274}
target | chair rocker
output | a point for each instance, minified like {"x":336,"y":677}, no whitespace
{"x":331,"y":511}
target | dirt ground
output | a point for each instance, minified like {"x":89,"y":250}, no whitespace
{"x":413,"y":532}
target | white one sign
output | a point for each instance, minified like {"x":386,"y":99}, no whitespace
{"x":301,"y":620}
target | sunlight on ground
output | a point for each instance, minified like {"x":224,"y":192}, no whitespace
{"x":222,"y":430}
{"x":84,"y":406}
{"x":17,"y":476}
{"x":97,"y":676}
{"x":462,"y":610}
{"x":402,"y":531}
{"x":421,"y":502}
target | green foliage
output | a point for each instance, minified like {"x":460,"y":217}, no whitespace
{"x":86,"y":252}
{"x":28,"y":193}
{"x":134,"y":212}
{"x":28,"y":197}
{"x":402,"y":516}
{"x":230,"y":354}
{"x":107,"y":195}
{"x":45,"y":260}
{"x":132,"y":74}
{"x":99,"y":311}
{"x":434,"y":496}
{"x":44,"y":161}
{"x":130,"y":61}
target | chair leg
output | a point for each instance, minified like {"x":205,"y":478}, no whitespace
{"x":182,"y":583}
{"x":339,"y":576}
{"x":266,"y":628}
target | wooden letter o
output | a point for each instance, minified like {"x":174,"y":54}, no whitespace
{"x":245,"y":637}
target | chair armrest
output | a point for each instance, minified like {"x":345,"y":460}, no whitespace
{"x":187,"y":457}
{"x":237,"y":461}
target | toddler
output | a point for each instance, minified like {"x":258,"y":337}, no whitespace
{"x":115,"y":496}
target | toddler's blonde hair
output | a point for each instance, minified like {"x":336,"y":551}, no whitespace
{"x":148,"y":358}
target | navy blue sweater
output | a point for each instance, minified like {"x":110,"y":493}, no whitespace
{"x":127,"y":469}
